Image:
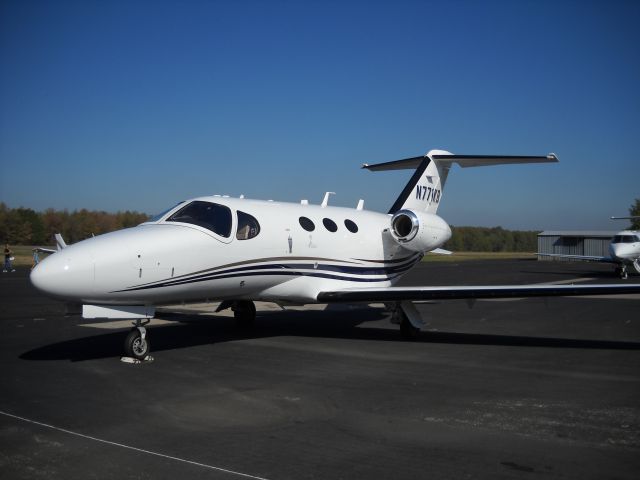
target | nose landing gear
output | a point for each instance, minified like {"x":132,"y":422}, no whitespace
{"x":622,"y":271}
{"x":137,"y":345}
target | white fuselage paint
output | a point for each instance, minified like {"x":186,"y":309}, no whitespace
{"x":167,"y":262}
{"x":627,"y":252}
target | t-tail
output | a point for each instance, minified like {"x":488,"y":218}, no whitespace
{"x":414,"y":224}
{"x":424,"y":190}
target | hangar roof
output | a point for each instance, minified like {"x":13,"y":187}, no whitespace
{"x":579,"y":233}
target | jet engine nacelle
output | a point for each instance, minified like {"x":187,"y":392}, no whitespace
{"x":419,"y":231}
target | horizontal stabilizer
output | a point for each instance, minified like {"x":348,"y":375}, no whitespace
{"x":464,"y":161}
{"x":393,"y":294}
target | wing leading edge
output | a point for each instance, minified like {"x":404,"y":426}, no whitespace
{"x":471,"y":292}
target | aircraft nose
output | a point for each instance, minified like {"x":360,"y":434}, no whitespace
{"x":64,"y":275}
{"x":617,"y":251}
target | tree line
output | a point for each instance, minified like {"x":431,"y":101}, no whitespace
{"x":24,"y":226}
{"x":494,"y":239}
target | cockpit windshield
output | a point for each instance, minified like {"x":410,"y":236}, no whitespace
{"x":625,"y":239}
{"x":211,"y":216}
{"x":158,"y":216}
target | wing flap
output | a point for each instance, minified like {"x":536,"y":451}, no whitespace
{"x":472,"y":292}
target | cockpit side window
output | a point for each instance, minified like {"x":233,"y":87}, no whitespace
{"x":248,"y":226}
{"x":211,"y":216}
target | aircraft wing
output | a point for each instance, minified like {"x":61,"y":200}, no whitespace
{"x":394,"y":294}
{"x":587,"y":258}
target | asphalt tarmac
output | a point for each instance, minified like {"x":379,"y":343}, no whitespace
{"x":529,"y":388}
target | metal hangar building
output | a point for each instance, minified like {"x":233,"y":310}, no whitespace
{"x":575,"y":242}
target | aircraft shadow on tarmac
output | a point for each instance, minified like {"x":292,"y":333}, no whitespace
{"x":197,"y":330}
{"x":586,"y":273}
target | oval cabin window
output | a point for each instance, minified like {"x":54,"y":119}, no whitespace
{"x":307,"y":224}
{"x":329,"y":224}
{"x":351,"y":226}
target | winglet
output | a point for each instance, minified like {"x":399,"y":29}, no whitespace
{"x":60,"y":243}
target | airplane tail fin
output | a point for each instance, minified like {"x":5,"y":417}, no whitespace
{"x":423,"y":192}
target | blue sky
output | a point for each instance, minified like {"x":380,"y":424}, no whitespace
{"x":118,"y":105}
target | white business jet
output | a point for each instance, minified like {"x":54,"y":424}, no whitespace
{"x":237,"y":251}
{"x":624,"y":251}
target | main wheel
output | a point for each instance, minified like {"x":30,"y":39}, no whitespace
{"x":244,"y":312}
{"x":407,"y":330}
{"x":135,"y":346}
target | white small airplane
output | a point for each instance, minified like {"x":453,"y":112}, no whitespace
{"x":237,"y":251}
{"x":624,"y":251}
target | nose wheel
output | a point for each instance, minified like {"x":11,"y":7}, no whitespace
{"x":137,"y":345}
{"x":622,"y":271}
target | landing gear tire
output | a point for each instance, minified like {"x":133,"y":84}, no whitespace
{"x":622,"y":271}
{"x":407,"y":330}
{"x":136,"y":346}
{"x":244,"y":312}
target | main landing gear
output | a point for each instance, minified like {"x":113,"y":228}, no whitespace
{"x":244,"y":311}
{"x":402,"y":314}
{"x":408,"y":331}
{"x":137,"y":345}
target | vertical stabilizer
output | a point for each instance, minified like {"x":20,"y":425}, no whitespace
{"x":423,"y":192}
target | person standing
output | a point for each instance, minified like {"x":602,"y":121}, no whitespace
{"x":8,"y":258}
{"x":36,"y":258}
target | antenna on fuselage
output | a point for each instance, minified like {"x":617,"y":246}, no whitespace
{"x":360,"y":204}
{"x":325,"y":201}
{"x":304,"y":202}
